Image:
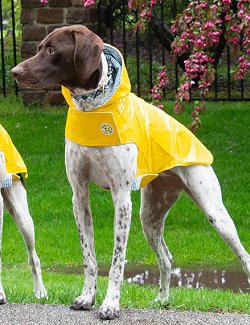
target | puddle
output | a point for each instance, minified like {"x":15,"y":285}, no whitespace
{"x":196,"y":278}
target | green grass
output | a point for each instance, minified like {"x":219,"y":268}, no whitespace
{"x":38,"y":133}
{"x":64,"y":288}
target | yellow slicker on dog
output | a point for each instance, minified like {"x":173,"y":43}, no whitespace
{"x":13,"y":160}
{"x":162,"y":141}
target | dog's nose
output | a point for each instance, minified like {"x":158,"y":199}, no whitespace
{"x":17,"y":72}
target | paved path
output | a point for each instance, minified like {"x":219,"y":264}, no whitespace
{"x":14,"y":314}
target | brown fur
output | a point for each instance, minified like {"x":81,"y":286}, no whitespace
{"x":69,"y":56}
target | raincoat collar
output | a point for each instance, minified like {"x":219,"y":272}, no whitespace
{"x":118,"y":84}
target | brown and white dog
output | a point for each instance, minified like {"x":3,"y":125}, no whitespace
{"x":72,"y":56}
{"x":14,"y":199}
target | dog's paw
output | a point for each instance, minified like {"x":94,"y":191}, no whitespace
{"x":41,"y":293}
{"x":108,"y":312}
{"x":162,"y":302}
{"x":2,"y":298}
{"x":82,"y":303}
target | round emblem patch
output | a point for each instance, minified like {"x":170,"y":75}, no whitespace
{"x":107,"y":129}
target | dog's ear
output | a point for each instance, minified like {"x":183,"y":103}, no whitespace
{"x":87,"y":56}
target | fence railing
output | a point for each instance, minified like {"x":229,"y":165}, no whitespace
{"x":143,"y":53}
{"x":146,"y":52}
{"x":8,"y":47}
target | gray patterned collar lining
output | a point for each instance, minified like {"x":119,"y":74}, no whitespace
{"x":106,"y":91}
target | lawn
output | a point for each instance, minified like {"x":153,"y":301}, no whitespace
{"x":38,"y":133}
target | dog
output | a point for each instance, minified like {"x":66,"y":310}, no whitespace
{"x":77,"y":59}
{"x":13,"y":196}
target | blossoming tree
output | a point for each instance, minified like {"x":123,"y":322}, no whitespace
{"x":196,"y":40}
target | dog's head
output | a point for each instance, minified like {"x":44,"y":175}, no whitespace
{"x":69,"y":56}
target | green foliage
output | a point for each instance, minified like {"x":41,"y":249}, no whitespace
{"x":118,"y":9}
{"x":8,"y":40}
{"x":7,"y":18}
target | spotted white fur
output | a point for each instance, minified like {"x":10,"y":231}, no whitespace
{"x":114,"y":167}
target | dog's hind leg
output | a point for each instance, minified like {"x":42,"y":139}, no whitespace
{"x":15,"y":200}
{"x":156,"y":200}
{"x":202,"y":185}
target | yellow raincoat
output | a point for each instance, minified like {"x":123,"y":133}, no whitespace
{"x":13,"y":160}
{"x":162,"y":141}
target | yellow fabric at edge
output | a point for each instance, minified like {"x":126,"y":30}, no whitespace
{"x":162,"y":141}
{"x":13,"y":160}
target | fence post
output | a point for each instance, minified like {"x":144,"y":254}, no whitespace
{"x":38,"y":21}
{"x":2,"y":50}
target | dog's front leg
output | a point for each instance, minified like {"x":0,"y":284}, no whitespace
{"x":84,"y":224}
{"x":2,"y":295}
{"x":123,"y":209}
{"x":77,"y":171}
{"x":78,"y":180}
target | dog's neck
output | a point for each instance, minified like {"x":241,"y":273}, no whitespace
{"x":79,"y":93}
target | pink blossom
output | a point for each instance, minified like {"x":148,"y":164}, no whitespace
{"x":156,"y":92}
{"x":164,"y":82}
{"x":146,"y":13}
{"x":88,"y":3}
{"x":204,"y":85}
{"x":162,"y":74}
{"x":209,"y":24}
{"x":184,"y":86}
{"x":197,"y":31}
{"x":200,"y":44}
{"x":174,"y":29}
{"x":204,"y":5}
{"x":234,"y":40}
{"x":241,"y":13}
{"x":156,"y":95}
{"x":235,"y":29}
{"x":130,"y":4}
{"x":44,"y":2}
{"x":197,"y":24}
{"x":152,"y":3}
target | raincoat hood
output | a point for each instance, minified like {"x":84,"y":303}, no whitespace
{"x":162,"y":141}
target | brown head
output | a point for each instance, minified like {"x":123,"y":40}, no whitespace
{"x":69,"y":56}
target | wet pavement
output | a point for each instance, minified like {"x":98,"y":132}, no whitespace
{"x":196,"y":278}
{"x":14,"y":314}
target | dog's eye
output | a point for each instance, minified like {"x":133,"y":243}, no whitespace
{"x":50,"y":50}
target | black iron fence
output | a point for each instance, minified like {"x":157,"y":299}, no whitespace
{"x":144,"y":53}
{"x":8,"y":44}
